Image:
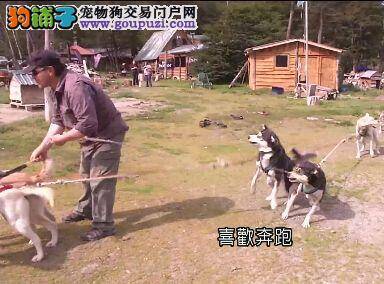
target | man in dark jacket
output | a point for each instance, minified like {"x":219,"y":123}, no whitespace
{"x":84,"y":110}
{"x":135,"y":73}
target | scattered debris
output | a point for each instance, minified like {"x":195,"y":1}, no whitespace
{"x":263,"y":113}
{"x":126,"y":238}
{"x":325,"y":119}
{"x":237,"y":117}
{"x":206,"y":122}
{"x":317,"y":91}
{"x":220,"y":163}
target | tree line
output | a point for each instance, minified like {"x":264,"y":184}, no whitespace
{"x":357,"y":27}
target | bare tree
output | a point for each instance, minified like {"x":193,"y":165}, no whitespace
{"x":320,"y":31}
{"x":291,"y":12}
{"x":16,"y":64}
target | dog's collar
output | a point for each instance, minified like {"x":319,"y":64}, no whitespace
{"x":308,"y":190}
{"x":5,"y":187}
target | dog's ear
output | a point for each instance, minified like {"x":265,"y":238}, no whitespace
{"x":263,"y":127}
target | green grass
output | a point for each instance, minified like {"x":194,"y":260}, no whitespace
{"x":4,"y":95}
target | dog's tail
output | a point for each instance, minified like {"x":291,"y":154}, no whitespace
{"x":297,"y":156}
{"x":45,"y":193}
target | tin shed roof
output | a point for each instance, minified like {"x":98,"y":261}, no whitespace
{"x":155,"y":45}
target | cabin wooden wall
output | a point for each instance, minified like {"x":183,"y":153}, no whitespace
{"x":263,"y":73}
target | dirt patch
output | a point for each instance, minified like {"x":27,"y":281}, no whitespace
{"x":127,"y":106}
{"x":9,"y":115}
{"x":364,"y":225}
{"x":132,"y":106}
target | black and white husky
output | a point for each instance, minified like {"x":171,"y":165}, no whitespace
{"x":273,"y":161}
{"x":312,"y":182}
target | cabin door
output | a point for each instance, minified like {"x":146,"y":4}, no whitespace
{"x":313,"y":75}
{"x":328,"y":72}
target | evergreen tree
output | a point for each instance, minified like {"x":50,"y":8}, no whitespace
{"x":236,"y":29}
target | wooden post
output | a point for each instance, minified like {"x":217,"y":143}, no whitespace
{"x":179,"y":67}
{"x":255,"y":66}
{"x":157,"y":63}
{"x":306,"y":55}
{"x":187,"y":66}
{"x":47,"y":106}
{"x":337,"y":74}
{"x":238,"y":74}
{"x":297,"y":65}
{"x":165,"y":66}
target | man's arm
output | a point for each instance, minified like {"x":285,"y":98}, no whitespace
{"x":84,"y":110}
{"x":71,"y":135}
{"x":40,"y":153}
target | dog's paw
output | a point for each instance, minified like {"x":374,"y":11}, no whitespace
{"x":268,"y":198}
{"x":51,"y":244}
{"x":273,"y":204}
{"x":284,"y":215}
{"x":30,"y":243}
{"x":358,"y":157}
{"x":37,"y":258}
{"x":306,"y":224}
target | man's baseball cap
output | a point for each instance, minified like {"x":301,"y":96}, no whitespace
{"x":42,"y":58}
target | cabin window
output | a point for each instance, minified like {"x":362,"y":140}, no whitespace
{"x":180,"y":62}
{"x":281,"y":60}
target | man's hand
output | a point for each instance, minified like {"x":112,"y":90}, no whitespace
{"x":58,"y":139}
{"x":39,"y":154}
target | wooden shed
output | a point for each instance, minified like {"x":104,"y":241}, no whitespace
{"x":369,"y":79}
{"x":24,"y":92}
{"x":282,"y":64}
{"x":179,"y":60}
{"x":173,"y":49}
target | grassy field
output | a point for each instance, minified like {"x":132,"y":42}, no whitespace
{"x":194,"y":180}
{"x":4,"y":95}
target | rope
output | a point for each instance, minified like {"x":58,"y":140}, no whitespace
{"x":326,"y":157}
{"x":334,"y":149}
{"x":60,"y":181}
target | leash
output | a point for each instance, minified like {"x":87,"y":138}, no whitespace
{"x":60,"y":181}
{"x":334,"y":149}
{"x":326,"y":157}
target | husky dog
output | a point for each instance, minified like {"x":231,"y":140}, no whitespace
{"x":312,"y":182}
{"x":272,"y":160}
{"x":26,"y":206}
{"x":366,"y":132}
{"x":381,"y":122}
